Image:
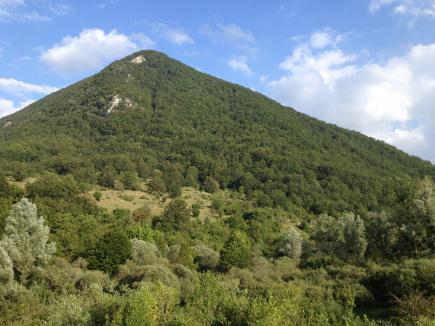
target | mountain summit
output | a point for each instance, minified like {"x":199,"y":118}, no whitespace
{"x":148,"y":111}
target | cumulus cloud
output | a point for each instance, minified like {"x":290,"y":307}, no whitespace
{"x":178,"y":37}
{"x":392,"y":101}
{"x":324,"y":38}
{"x":8,"y":107}
{"x":19,"y":88}
{"x":21,"y":92}
{"x":91,"y":50}
{"x":413,"y":9}
{"x":240,"y":64}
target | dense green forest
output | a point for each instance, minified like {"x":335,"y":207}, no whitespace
{"x":307,"y":223}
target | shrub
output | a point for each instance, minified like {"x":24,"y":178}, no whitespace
{"x":53,"y":186}
{"x":150,"y":304}
{"x":98,"y":195}
{"x":211,"y":185}
{"x":110,"y":251}
{"x":205,"y":258}
{"x":196,"y":209}
{"x":144,"y":253}
{"x":289,"y":245}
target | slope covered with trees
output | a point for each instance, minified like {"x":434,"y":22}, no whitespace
{"x":175,"y":119}
{"x":268,"y":216}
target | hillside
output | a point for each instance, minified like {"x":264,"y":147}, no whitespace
{"x":157,"y":112}
{"x":170,"y":197}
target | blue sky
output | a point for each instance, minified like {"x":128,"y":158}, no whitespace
{"x":367,"y":65}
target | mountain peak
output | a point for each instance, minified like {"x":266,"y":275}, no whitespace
{"x":151,"y":108}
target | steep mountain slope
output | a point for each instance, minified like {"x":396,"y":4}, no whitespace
{"x":149,"y":111}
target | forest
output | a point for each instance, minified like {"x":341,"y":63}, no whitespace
{"x":153,"y":194}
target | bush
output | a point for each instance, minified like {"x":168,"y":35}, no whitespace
{"x":130,"y":180}
{"x":53,"y":186}
{"x":196,"y":209}
{"x":150,"y":304}
{"x":98,"y":195}
{"x":144,"y":253}
{"x":111,"y":250}
{"x":142,"y":214}
{"x":205,"y":258}
{"x":211,"y":185}
{"x":289,"y":245}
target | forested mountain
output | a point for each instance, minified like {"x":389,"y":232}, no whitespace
{"x":158,"y":112}
{"x":266,"y":214}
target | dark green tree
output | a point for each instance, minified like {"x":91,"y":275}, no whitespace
{"x":211,"y":185}
{"x":176,"y":216}
{"x":110,"y":251}
{"x":236,"y":251}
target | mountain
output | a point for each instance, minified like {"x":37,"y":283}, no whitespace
{"x":170,"y":197}
{"x":148,"y":111}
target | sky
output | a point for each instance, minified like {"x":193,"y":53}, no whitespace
{"x":366,"y":65}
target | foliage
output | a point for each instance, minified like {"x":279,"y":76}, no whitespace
{"x":236,"y":251}
{"x":151,"y":304}
{"x":25,"y":240}
{"x":176,"y":216}
{"x":344,"y":237}
{"x":290,"y":245}
{"x":300,"y":222}
{"x":110,"y":251}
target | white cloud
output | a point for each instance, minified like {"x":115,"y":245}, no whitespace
{"x":392,"y":101}
{"x":7,"y":107}
{"x":178,"y":37}
{"x":375,"y":5}
{"x":174,"y":35}
{"x":16,"y":87}
{"x":91,"y":50}
{"x":240,"y":64}
{"x":18,"y":11}
{"x":324,"y":38}
{"x":230,"y":34}
{"x":412,"y":9}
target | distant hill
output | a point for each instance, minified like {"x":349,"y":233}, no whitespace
{"x":148,"y":111}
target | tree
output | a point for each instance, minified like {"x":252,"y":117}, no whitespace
{"x":191,"y":177}
{"x":144,"y":253}
{"x":54,"y":186}
{"x":6,"y":268}
{"x":150,"y":304}
{"x":174,"y":181}
{"x":25,"y":239}
{"x":130,"y":180}
{"x":289,"y":245}
{"x":344,"y":237}
{"x":110,"y":251}
{"x":236,"y":251}
{"x":176,"y":215}
{"x":157,"y":184}
{"x":107,"y":177}
{"x":211,"y":185}
{"x":205,"y":258}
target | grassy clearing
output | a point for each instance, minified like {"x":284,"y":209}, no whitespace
{"x":22,"y":184}
{"x":132,"y":200}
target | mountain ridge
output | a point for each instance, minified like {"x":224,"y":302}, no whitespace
{"x":159,"y":110}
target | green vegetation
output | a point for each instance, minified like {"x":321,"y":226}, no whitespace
{"x":204,"y":203}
